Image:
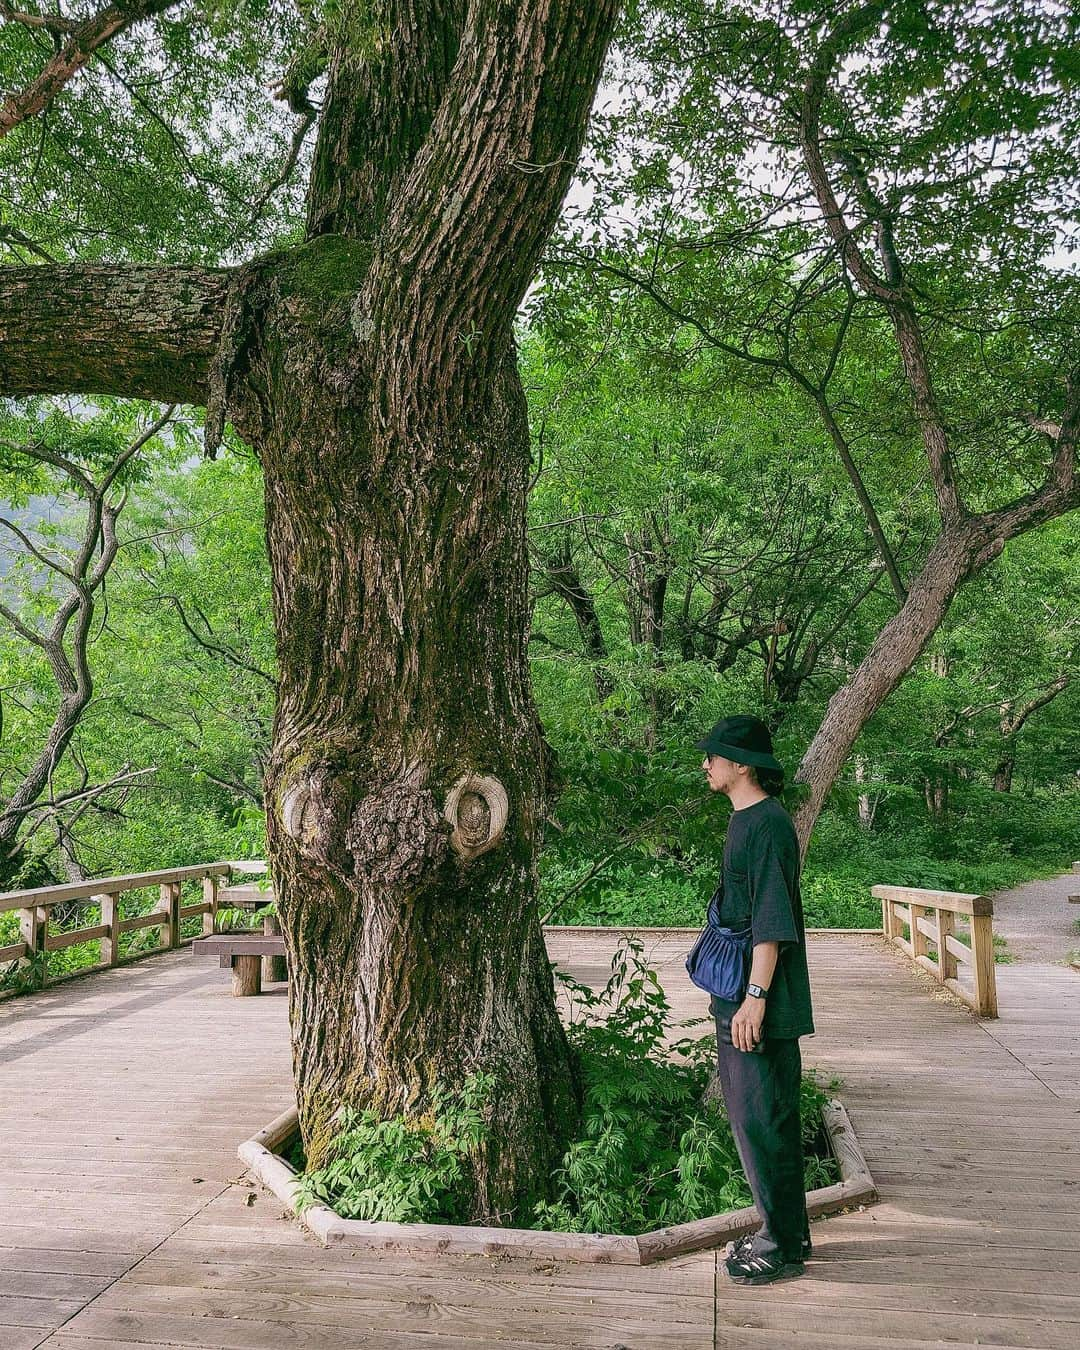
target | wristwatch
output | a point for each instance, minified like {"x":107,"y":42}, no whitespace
{"x":756,"y":991}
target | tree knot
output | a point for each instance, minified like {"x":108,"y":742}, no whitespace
{"x":396,"y":834}
{"x":478,"y":809}
{"x":313,"y":809}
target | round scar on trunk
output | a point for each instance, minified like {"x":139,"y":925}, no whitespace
{"x":477,"y":808}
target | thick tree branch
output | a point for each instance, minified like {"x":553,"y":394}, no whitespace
{"x":83,"y":40}
{"x":490,"y":177}
{"x":890,"y":291}
{"x":1016,"y":712}
{"x":380,"y":100}
{"x":134,"y":332}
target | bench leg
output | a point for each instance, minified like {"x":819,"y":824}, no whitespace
{"x":274,"y":969}
{"x":246,"y":976}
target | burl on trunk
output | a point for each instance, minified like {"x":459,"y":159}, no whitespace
{"x":374,"y":370}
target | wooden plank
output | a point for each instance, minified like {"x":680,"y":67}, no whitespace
{"x":192,"y":911}
{"x":35,"y":1312}
{"x":33,"y":929}
{"x":945,"y":956}
{"x":110,"y":917}
{"x":646,"y":1318}
{"x":467,"y":1280}
{"x":82,"y":890}
{"x":14,"y":951}
{"x":960,"y":951}
{"x":238,"y":944}
{"x":158,"y":919}
{"x":269,"y":1256}
{"x":170,"y":902}
{"x":103,"y":1332}
{"x":982,"y":966}
{"x":57,"y":942}
{"x":50,"y":1261}
{"x":958,"y":902}
{"x":210,"y":887}
{"x":22,"y":1338}
{"x":51,"y":1285}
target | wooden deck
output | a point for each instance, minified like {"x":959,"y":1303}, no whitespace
{"x":125,"y":1221}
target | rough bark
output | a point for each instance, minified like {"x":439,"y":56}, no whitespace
{"x":374,"y":370}
{"x":135,"y":332}
{"x":376,"y":374}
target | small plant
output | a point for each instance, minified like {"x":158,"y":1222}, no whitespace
{"x":652,"y":1150}
{"x":405,"y":1170}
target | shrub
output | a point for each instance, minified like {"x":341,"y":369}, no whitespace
{"x":652,"y":1151}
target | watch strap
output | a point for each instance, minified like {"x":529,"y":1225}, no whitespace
{"x":756,"y":991}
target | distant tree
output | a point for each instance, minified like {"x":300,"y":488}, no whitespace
{"x":864,"y":200}
{"x":54,"y":587}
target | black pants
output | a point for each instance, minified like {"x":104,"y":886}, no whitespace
{"x":761,"y":1093}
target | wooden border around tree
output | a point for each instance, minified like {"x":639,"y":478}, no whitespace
{"x":260,"y":1153}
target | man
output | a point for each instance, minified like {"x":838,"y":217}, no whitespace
{"x":757,"y":1039}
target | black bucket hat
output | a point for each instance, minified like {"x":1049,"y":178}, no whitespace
{"x":744,"y":739}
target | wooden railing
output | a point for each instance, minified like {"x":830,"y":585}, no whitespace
{"x":35,"y":910}
{"x":930,"y":918}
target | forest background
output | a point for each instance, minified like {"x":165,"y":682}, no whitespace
{"x":702,"y":380}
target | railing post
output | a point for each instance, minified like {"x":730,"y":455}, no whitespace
{"x":110,"y":917}
{"x":946,"y":960}
{"x":919,"y":944}
{"x":210,"y":897}
{"x":170,"y":902}
{"x":982,"y":964}
{"x":33,"y":924}
{"x":888,"y":925}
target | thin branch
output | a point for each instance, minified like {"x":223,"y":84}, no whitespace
{"x":216,"y":649}
{"x":893,"y":297}
{"x":84,"y":39}
{"x":33,"y":549}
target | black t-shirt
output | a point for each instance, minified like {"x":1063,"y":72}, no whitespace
{"x":761,"y":887}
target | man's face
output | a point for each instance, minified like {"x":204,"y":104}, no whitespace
{"x":720,"y":773}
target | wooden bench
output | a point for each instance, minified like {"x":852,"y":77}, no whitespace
{"x":244,"y":953}
{"x":251,"y":898}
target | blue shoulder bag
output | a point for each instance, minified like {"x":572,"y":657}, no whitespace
{"x":719,"y":961}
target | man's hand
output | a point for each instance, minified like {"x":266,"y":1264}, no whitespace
{"x":747,"y":1023}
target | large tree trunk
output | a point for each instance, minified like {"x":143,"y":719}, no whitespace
{"x":416,"y":952}
{"x":375,"y":371}
{"x":565,"y":580}
{"x":373,"y":368}
{"x":1003,"y":773}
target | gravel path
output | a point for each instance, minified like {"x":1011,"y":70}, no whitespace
{"x":1037,"y":920}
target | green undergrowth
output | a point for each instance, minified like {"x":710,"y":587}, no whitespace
{"x":653,"y":1149}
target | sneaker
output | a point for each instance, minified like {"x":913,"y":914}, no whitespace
{"x":749,"y":1268}
{"x":740,"y":1246}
